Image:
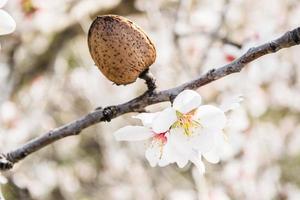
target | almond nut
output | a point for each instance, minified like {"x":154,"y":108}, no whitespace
{"x":120,"y":49}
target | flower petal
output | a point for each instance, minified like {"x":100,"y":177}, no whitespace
{"x":133,"y":133}
{"x":179,"y":149}
{"x":7,"y":23}
{"x":204,"y":139}
{"x":212,"y":156}
{"x":210,"y":117}
{"x":153,"y":154}
{"x":232,"y":103}
{"x":165,"y":160}
{"x":164,"y":120}
{"x":181,"y":161}
{"x":2,"y":3}
{"x":187,"y":101}
{"x":196,"y":160}
{"x":146,"y":118}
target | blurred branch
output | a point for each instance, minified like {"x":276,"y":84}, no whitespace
{"x":223,"y":39}
{"x":214,"y":35}
{"x":44,"y":61}
{"x":138,"y":104}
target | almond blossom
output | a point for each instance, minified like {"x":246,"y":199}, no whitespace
{"x":155,"y":152}
{"x":184,"y":132}
{"x":7,"y":23}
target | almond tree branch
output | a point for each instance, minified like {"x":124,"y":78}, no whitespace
{"x":137,"y":104}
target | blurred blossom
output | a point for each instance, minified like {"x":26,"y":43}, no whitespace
{"x":231,"y":53}
{"x":182,"y":194}
{"x":257,"y":101}
{"x":8,"y":114}
{"x":89,"y":6}
{"x":205,"y":19}
{"x":232,"y":103}
{"x":294,"y":142}
{"x":51,"y":17}
{"x":218,"y":193}
{"x":3,"y":180}
{"x":292,"y":192}
{"x":28,"y":7}
{"x":268,"y":182}
{"x":7,"y":23}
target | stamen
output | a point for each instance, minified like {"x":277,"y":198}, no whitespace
{"x":159,"y":139}
{"x":186,"y":122}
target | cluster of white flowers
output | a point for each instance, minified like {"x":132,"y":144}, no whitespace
{"x":7,"y":23}
{"x":185,"y":132}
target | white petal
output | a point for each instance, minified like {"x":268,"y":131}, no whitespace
{"x":179,"y":148}
{"x":164,"y":120}
{"x":204,"y":139}
{"x":146,"y":118}
{"x":133,"y":133}
{"x":167,"y":155}
{"x":181,"y":161}
{"x":232,"y":103}
{"x":212,"y":156}
{"x":2,"y":3}
{"x":196,"y":160}
{"x":153,"y":154}
{"x":187,"y":101}
{"x":164,"y":161}
{"x":211,"y":117}
{"x":7,"y":23}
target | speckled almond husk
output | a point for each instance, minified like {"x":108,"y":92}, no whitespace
{"x":120,"y":49}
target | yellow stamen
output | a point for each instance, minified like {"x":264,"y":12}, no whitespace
{"x":186,"y":122}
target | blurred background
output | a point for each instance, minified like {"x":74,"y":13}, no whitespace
{"x":47,"y":79}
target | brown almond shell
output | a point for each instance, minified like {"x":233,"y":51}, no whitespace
{"x":120,"y":49}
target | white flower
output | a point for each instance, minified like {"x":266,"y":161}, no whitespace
{"x":200,"y":124}
{"x":155,"y":152}
{"x":7,"y":23}
{"x":196,"y":130}
{"x":181,"y":133}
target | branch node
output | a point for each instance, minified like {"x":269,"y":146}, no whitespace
{"x":210,"y":74}
{"x":5,"y":163}
{"x":273,"y":46}
{"x":149,"y":79}
{"x":109,"y":112}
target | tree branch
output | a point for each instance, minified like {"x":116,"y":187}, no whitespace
{"x":7,"y":160}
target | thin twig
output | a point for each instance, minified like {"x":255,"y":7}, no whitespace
{"x":149,"y":80}
{"x":137,"y":104}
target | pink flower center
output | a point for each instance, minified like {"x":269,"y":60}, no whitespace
{"x":161,"y":137}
